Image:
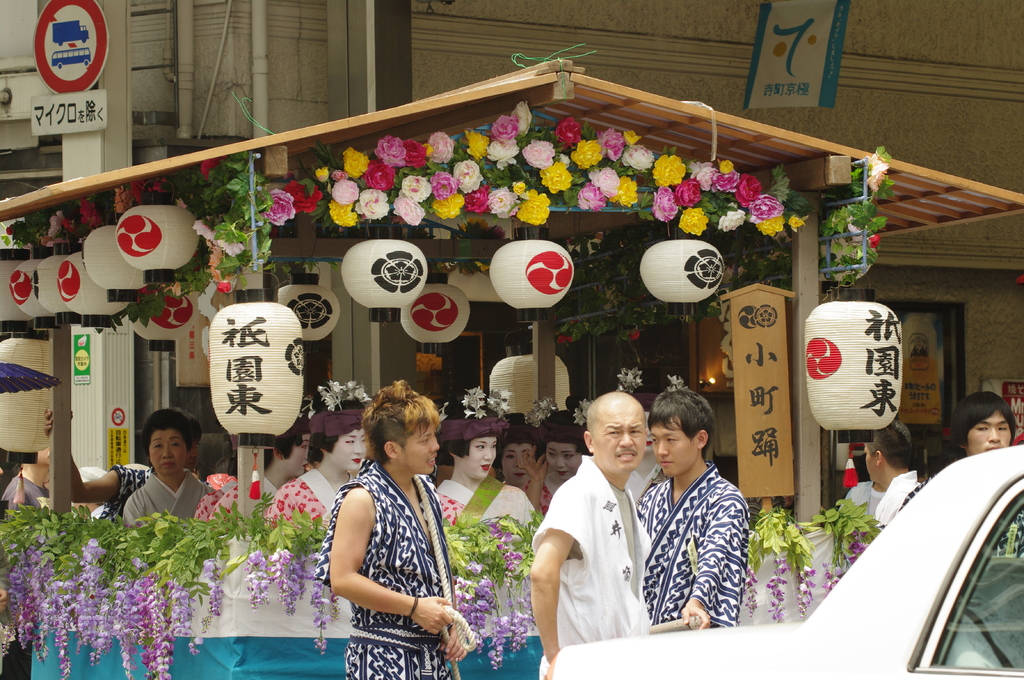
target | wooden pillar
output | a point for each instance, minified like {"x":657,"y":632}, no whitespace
{"x":806,"y":433}
{"x":60,"y":437}
{"x":543,"y":359}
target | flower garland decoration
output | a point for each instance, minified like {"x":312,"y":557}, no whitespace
{"x":630,"y":379}
{"x":541,"y":411}
{"x":676,"y":384}
{"x":335,"y":394}
{"x":579,"y":416}
{"x":859,"y":219}
{"x":477,"y":403}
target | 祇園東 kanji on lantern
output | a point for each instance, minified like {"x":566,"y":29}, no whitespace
{"x":316,"y":307}
{"x":681,"y":272}
{"x":436,"y":317}
{"x":52,"y":290}
{"x":531,"y":273}
{"x":171,"y":325}
{"x":108,"y":268}
{"x":256,"y":362}
{"x":854,"y":358}
{"x":13,"y":319}
{"x":384,"y":275}
{"x":22,"y":413}
{"x":157,"y":239}
{"x":23,"y":289}
{"x":84,"y":296}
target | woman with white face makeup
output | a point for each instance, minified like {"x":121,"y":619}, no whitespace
{"x":337,"y":447}
{"x":473,"y":490}
{"x":564,"y":449}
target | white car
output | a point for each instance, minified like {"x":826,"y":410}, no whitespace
{"x":928,"y":597}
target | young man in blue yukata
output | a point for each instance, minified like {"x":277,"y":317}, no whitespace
{"x":698,"y":522}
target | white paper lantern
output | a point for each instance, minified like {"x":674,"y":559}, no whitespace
{"x":157,"y":239}
{"x":48,"y":289}
{"x":438,"y":315}
{"x":256,"y":361}
{"x":477,"y":286}
{"x":22,"y":412}
{"x":13,"y":319}
{"x":682,"y":272}
{"x":515,"y":374}
{"x":854,"y":354}
{"x":22,"y":287}
{"x":531,"y":275}
{"x":171,"y":325}
{"x":384,"y":275}
{"x":108,"y":268}
{"x":83,"y":295}
{"x":316,"y":306}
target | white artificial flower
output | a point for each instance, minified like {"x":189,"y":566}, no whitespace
{"x":502,"y":152}
{"x":630,"y":379}
{"x":731,"y":220}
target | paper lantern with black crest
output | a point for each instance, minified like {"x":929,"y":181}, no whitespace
{"x":316,"y":307}
{"x":384,"y":275}
{"x":682,"y":272}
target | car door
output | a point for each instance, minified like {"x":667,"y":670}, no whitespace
{"x":978,"y":624}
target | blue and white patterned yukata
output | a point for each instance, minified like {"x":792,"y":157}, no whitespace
{"x":400,"y":558}
{"x":711,"y":519}
{"x":131,"y":480}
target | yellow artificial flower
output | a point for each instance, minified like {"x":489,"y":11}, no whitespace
{"x":427,"y":149}
{"x":796,"y":222}
{"x":556,"y":178}
{"x":519,"y":188}
{"x":627,"y":192}
{"x":725,"y":167}
{"x":534,"y":210}
{"x":477,"y":144}
{"x":343,"y":215}
{"x":693,"y":221}
{"x":668,"y":170}
{"x":631,"y":137}
{"x":322,"y":174}
{"x":450,"y":207}
{"x":355,"y":162}
{"x":586,"y":154}
{"x":772,"y":226}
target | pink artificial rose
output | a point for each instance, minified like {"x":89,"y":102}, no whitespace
{"x":415,"y":154}
{"x":443,"y":185}
{"x":503,"y":203}
{"x":765,"y":207}
{"x":391,"y":150}
{"x":338,"y":175}
{"x":687,"y":193}
{"x":591,"y":197}
{"x":379,"y":176}
{"x":346,"y":192}
{"x":200,"y":227}
{"x":665,"y":208}
{"x":505,"y":128}
{"x":539,"y":154}
{"x":568,"y":131}
{"x":224,"y":287}
{"x":726,"y":182}
{"x":409,"y":210}
{"x":441,"y":147}
{"x":476,"y":201}
{"x":703,"y":173}
{"x":612,"y":142}
{"x":282,"y":210}
{"x":747,"y":189}
{"x":607,"y":180}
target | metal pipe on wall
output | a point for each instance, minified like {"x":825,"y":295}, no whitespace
{"x":260,"y":68}
{"x":216,"y":68}
{"x":186,"y":67}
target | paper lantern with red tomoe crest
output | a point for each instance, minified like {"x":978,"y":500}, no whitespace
{"x":682,"y":272}
{"x":107,"y":267}
{"x":439,"y":314}
{"x":256,"y":362}
{"x":169,"y":326}
{"x":157,"y":239}
{"x":83,"y":295}
{"x":384,"y":275}
{"x":21,"y":413}
{"x":22,"y":287}
{"x":315,"y":306}
{"x":13,"y":319}
{"x":53,"y":291}
{"x":531,"y":275}
{"x":854,"y":360}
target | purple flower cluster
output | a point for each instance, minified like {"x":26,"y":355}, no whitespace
{"x":857,"y":546}
{"x":325,"y":609}
{"x":286,"y":573}
{"x":257,"y":580}
{"x":750,"y":592}
{"x":777,"y":605}
{"x":805,"y":588}
{"x":212,"y":574}
{"x":832,"y":576}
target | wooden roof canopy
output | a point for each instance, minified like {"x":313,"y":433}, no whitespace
{"x":923,"y":198}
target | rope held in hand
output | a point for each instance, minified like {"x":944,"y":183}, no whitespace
{"x":462,"y":629}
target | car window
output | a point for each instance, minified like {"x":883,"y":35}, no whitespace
{"x":986,"y":627}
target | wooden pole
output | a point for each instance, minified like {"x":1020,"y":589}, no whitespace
{"x":60,"y":437}
{"x":543,"y":359}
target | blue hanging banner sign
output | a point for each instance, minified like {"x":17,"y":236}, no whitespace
{"x":797,"y":53}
